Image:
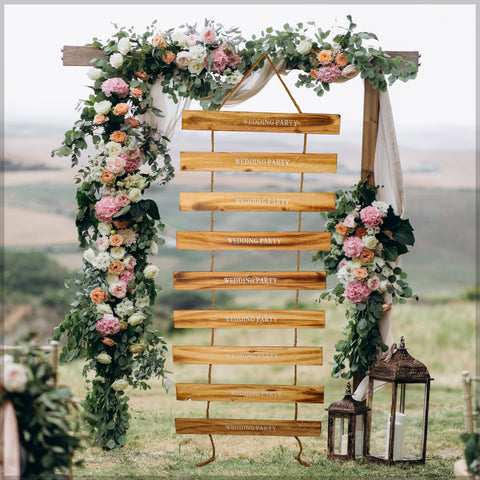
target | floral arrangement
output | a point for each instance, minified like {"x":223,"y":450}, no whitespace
{"x":46,"y":414}
{"x":110,"y":324}
{"x":367,"y":238}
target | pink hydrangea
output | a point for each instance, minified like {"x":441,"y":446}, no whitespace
{"x":132,"y":161}
{"x":108,"y":325}
{"x":126,"y":276}
{"x":372,"y":217}
{"x":356,"y":292}
{"x":115,"y":85}
{"x":106,"y":208}
{"x":220,"y":61}
{"x":353,"y":246}
{"x":329,"y":73}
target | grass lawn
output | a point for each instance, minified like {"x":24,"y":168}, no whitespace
{"x":440,"y":335}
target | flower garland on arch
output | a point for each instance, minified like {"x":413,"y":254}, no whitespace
{"x":111,"y":322}
{"x":367,"y":238}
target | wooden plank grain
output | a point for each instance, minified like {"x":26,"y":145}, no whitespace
{"x":249,"y":318}
{"x":257,"y":201}
{"x":230,"y":426}
{"x":253,"y":241}
{"x":267,"y":280}
{"x":258,"y":162}
{"x":261,"y":122}
{"x":250,"y":393}
{"x":248,"y":355}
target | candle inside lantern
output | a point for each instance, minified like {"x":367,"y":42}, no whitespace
{"x":399,"y":437}
{"x":344,"y":445}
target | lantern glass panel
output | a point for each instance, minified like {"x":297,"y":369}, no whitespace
{"x":359,"y":436}
{"x":381,"y":407}
{"x":413,"y":420}
{"x":340,"y":445}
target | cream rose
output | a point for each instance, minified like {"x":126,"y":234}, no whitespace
{"x":118,"y":289}
{"x":124,"y":45}
{"x":15,"y":377}
{"x":103,"y":107}
{"x":89,"y":255}
{"x":135,"y":195}
{"x":136,"y":319}
{"x":94,"y":74}
{"x":370,"y":241}
{"x":104,"y":358}
{"x":104,"y":308}
{"x":150,"y":271}
{"x":304,"y":47}
{"x":195,"y":67}
{"x":180,"y":38}
{"x":104,"y":228}
{"x":111,"y":279}
{"x":116,"y":60}
{"x":113,"y":149}
{"x":120,"y":385}
{"x":117,"y":253}
{"x":182,"y":60}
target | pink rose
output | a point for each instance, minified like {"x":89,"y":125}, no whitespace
{"x":116,"y":164}
{"x":118,"y":289}
{"x":102,"y":244}
{"x":373,"y":283}
{"x":349,"y":221}
{"x":106,"y":208}
{"x":123,"y":199}
{"x":220,"y":61}
{"x":126,"y":276}
{"x":356,"y":292}
{"x":372,"y":217}
{"x":191,"y":40}
{"x":115,"y":85}
{"x":129,"y":262}
{"x":108,"y":325}
{"x":14,"y":378}
{"x":208,"y":36}
{"x":343,"y":263}
{"x":353,"y":246}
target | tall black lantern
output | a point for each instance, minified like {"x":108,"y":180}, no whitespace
{"x":398,"y":417}
{"x":347,"y":419}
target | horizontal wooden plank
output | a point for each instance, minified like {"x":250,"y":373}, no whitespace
{"x":249,"y":318}
{"x":249,"y":280}
{"x":248,"y":355}
{"x":258,"y":162}
{"x":253,"y":241}
{"x":230,"y":426}
{"x":261,"y":122}
{"x":250,"y":393}
{"x":257,"y":201}
{"x":81,"y":56}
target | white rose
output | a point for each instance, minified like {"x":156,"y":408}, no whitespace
{"x":95,"y":74}
{"x":113,"y":149}
{"x":182,"y":60}
{"x":112,"y":279}
{"x":195,"y":67}
{"x":150,"y":271}
{"x":89,"y":255}
{"x":119,"y":385}
{"x":370,"y":241}
{"x":102,"y":107}
{"x":104,"y":228}
{"x":117,"y":253}
{"x":104,"y":308}
{"x":304,"y":47}
{"x":136,"y":319}
{"x":339,"y":238}
{"x":180,"y":38}
{"x":104,"y":358}
{"x":15,"y":377}
{"x":135,"y":195}
{"x":124,"y":45}
{"x":116,"y":60}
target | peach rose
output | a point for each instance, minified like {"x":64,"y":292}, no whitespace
{"x":121,"y":223}
{"x":118,"y":136}
{"x":340,"y":60}
{"x":159,"y":41}
{"x":341,"y":229}
{"x":123,"y":325}
{"x":141,"y":75}
{"x":98,"y":295}
{"x":107,"y":177}
{"x":132,"y":121}
{"x":360,"y":273}
{"x":325,"y":57}
{"x":108,"y":341}
{"x":136,"y":92}
{"x":366,"y":256}
{"x":116,"y":268}
{"x":99,"y":119}
{"x":115,"y":240}
{"x":360,"y":232}
{"x":121,"y":109}
{"x":169,"y":57}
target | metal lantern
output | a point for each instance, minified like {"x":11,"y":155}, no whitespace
{"x":346,"y":428}
{"x":398,"y":417}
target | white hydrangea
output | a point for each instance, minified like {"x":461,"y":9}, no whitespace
{"x":117,"y":253}
{"x":304,"y":47}
{"x":124,"y":45}
{"x":104,"y":228}
{"x":116,"y":60}
{"x":382,"y":206}
{"x":142,"y":302}
{"x":124,"y":308}
{"x":197,"y":53}
{"x":102,"y":260}
{"x":95,"y":74}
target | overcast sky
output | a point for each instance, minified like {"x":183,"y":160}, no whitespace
{"x":442,"y":97}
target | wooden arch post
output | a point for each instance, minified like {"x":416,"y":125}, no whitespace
{"x":79,"y":56}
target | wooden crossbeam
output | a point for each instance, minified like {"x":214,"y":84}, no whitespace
{"x":221,"y":426}
{"x":248,"y":355}
{"x":253,"y":241}
{"x":249,"y":318}
{"x":257,"y":201}
{"x":267,"y":280}
{"x":261,"y":122}
{"x":250,"y":393}
{"x":258,"y":162}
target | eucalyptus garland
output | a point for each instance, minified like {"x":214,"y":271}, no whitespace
{"x":367,"y":238}
{"x":111,"y":322}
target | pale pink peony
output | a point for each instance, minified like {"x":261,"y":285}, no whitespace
{"x":123,"y":199}
{"x":106,"y":208}
{"x":373,"y":283}
{"x":328,"y":74}
{"x":132,"y":161}
{"x":126,"y":276}
{"x":220,"y":61}
{"x":372,"y":217}
{"x":129,"y":262}
{"x":115,"y":85}
{"x":116,"y":164}
{"x":353,"y":246}
{"x":108,"y":325}
{"x":208,"y":36}
{"x":356,"y":292}
{"x":118,"y":289}
{"x":14,"y":378}
{"x":102,"y":244}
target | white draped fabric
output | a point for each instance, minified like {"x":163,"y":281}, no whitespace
{"x":387,"y":169}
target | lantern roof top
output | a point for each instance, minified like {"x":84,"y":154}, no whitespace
{"x":399,"y":366}
{"x":347,"y":404}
